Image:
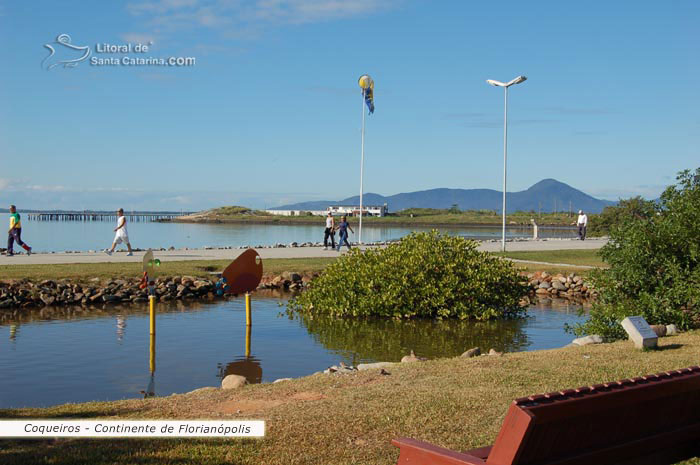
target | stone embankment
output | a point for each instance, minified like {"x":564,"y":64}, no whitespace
{"x":25,"y":293}
{"x":570,"y":286}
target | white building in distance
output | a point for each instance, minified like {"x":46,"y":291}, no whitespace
{"x":337,"y":210}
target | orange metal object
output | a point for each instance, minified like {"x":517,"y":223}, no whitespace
{"x":244,"y":273}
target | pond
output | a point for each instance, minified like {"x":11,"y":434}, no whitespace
{"x":54,"y":356}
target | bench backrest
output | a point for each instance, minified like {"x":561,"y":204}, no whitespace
{"x":641,"y":420}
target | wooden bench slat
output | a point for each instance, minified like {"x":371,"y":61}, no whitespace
{"x":647,"y":420}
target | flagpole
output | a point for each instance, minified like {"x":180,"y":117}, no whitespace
{"x":362,"y":162}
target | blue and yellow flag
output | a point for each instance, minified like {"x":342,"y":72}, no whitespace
{"x":367,"y":85}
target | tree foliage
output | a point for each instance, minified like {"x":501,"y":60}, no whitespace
{"x":635,"y":207}
{"x":423,"y":275}
{"x":654,"y":259}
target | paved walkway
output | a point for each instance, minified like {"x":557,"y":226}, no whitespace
{"x":287,"y":252}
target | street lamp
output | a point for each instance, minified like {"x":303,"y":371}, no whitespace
{"x":505,"y":86}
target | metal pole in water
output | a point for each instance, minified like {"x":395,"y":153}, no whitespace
{"x":247,"y":340}
{"x":248,"y":316}
{"x":152,"y":350}
{"x":152,"y":305}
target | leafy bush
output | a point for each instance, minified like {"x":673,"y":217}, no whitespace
{"x":635,"y":207}
{"x":654,"y":261}
{"x":423,"y":275}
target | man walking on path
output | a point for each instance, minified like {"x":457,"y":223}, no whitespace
{"x":121,"y":234}
{"x":343,"y":230}
{"x":582,"y":223}
{"x":329,"y":232}
{"x":15,"y":233}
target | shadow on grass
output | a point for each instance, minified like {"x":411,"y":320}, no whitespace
{"x":669,"y":347}
{"x":127,"y":451}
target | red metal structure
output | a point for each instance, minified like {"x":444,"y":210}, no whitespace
{"x":651,"y":420}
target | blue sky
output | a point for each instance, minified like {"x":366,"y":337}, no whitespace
{"x":270,"y":111}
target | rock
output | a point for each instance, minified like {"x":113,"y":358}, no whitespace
{"x":475,"y":352}
{"x":671,"y":330}
{"x":280,"y":380}
{"x":411,"y":358}
{"x":584,"y":341}
{"x":660,"y":330}
{"x":295,"y":277}
{"x":558,"y":285}
{"x":48,"y":299}
{"x":541,"y":291}
{"x":545,"y":285}
{"x":233,"y":382}
{"x":204,"y":389}
{"x":372,"y":366}
{"x":494,"y":352}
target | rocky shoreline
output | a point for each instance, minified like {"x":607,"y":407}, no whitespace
{"x":24,"y":293}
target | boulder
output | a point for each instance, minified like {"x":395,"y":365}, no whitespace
{"x":584,"y":341}
{"x":371,"y":366}
{"x":411,"y":358}
{"x":558,"y":285}
{"x":671,"y":330}
{"x":475,"y":352}
{"x":233,"y":382}
{"x":660,"y":330}
{"x":494,"y":352}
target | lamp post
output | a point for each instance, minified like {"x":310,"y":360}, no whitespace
{"x":505,"y":86}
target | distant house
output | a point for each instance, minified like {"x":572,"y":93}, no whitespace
{"x":297,"y":212}
{"x":354,"y":210}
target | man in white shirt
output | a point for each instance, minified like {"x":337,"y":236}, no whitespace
{"x":121,"y":233}
{"x":582,"y":222}
{"x":329,"y":232}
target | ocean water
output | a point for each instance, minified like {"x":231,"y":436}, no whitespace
{"x":59,"y":236}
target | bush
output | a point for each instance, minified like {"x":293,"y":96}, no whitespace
{"x":635,"y":207}
{"x":423,"y":275}
{"x":654,"y":263}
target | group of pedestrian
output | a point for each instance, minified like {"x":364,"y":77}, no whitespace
{"x":14,"y":234}
{"x":342,"y":229}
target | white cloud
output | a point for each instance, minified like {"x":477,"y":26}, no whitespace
{"x":139,"y":38}
{"x":234,"y":16}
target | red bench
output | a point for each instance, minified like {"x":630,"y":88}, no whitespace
{"x":652,"y":420}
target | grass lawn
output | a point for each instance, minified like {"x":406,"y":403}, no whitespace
{"x":85,"y":271}
{"x":570,"y":257}
{"x":350,"y":419}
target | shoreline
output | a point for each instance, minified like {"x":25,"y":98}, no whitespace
{"x":367,"y":221}
{"x":355,"y":415}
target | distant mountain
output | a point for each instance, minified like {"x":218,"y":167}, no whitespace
{"x":544,"y":196}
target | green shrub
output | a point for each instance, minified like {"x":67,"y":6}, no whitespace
{"x":635,"y":207}
{"x":654,"y":260}
{"x":423,"y":275}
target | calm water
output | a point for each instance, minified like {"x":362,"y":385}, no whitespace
{"x":58,"y":236}
{"x":62,"y":355}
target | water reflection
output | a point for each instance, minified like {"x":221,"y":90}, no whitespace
{"x":198,"y":344}
{"x":388,"y":340}
{"x":247,"y":366}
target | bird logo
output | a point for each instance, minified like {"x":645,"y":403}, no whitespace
{"x":63,"y":42}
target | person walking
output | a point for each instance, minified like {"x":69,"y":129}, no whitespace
{"x":582,"y":222}
{"x":329,"y":232}
{"x":122,"y":235}
{"x":343,"y":231}
{"x":14,"y":234}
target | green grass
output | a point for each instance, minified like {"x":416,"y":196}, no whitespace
{"x":570,"y":257}
{"x":456,"y":403}
{"x":84,"y":271}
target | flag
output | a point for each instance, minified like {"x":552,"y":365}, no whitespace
{"x":367,"y":85}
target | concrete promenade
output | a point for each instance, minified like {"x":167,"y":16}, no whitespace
{"x":265,"y":253}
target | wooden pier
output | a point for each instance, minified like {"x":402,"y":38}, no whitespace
{"x":100,"y":216}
